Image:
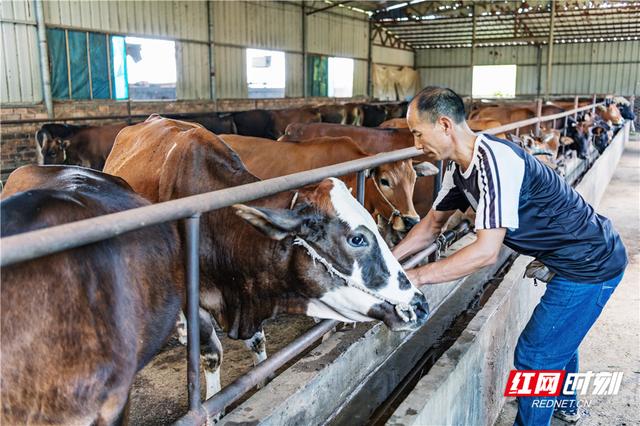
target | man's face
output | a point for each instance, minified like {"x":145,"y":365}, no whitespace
{"x":431,"y":138}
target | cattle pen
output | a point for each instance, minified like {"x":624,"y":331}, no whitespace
{"x":48,"y":241}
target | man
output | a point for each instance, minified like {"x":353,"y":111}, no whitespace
{"x":522,"y":203}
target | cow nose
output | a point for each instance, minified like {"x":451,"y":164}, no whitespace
{"x":410,"y":222}
{"x":420,"y":307}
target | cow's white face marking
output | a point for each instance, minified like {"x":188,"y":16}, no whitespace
{"x":355,"y":215}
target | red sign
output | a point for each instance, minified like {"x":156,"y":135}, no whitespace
{"x":523,"y":383}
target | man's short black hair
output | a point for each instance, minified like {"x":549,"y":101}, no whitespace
{"x":433,"y":102}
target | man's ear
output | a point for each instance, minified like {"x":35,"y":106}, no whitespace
{"x":446,"y":123}
{"x":425,"y":169}
{"x":274,"y":223}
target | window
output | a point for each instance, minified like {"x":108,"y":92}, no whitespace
{"x":265,"y":73}
{"x":88,"y":65}
{"x":150,"y":68}
{"x":494,"y":81}
{"x":340,"y":77}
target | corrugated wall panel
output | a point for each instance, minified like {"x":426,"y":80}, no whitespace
{"x":192,"y":61}
{"x":578,"y":67}
{"x":293,"y":75}
{"x":177,"y":19}
{"x":268,"y":25}
{"x":390,"y":56}
{"x":458,"y":79}
{"x":231,"y":72}
{"x":359,"y":78}
{"x":328,"y":34}
{"x":20,"y":67}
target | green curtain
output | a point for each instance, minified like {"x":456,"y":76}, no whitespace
{"x":58,"y":61}
{"x":79,"y":63}
{"x":98,"y":45}
{"x":318,"y":75}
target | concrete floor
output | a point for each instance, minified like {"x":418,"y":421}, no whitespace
{"x":613,"y":344}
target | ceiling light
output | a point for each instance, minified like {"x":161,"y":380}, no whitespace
{"x":397,"y":6}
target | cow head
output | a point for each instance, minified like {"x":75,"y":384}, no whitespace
{"x":51,"y":150}
{"x":343,"y":268}
{"x":610,"y":113}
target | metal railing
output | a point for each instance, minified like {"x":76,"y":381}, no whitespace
{"x":43,"y":242}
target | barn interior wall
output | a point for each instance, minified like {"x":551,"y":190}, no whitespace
{"x":578,"y":68}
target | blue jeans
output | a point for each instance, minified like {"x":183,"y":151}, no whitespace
{"x":550,"y":340}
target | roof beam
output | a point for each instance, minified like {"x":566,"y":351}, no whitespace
{"x":322,"y":9}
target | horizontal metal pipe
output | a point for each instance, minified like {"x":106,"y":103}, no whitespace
{"x":42,"y":242}
{"x":262,"y":371}
{"x":535,"y":120}
{"x":30,"y":245}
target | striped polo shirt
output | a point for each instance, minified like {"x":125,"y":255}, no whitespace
{"x":544,"y":216}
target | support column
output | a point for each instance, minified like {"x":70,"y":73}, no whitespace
{"x":43,"y":50}
{"x":473,"y":46}
{"x":304,"y":51}
{"x":369,"y":62}
{"x":550,"y":50}
{"x":210,"y":44}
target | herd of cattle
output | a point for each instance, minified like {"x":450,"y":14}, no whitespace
{"x":78,"y":325}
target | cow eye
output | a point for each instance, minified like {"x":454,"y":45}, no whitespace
{"x":357,"y":240}
{"x":384,"y":182}
{"x":51,"y":153}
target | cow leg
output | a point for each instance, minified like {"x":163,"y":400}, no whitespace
{"x":210,"y":349}
{"x":210,"y":353}
{"x":258,"y":347}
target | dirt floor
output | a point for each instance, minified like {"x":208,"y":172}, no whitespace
{"x":159,"y":393}
{"x":613,"y":344}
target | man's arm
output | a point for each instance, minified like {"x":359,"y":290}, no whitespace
{"x":423,"y":234}
{"x":482,"y":252}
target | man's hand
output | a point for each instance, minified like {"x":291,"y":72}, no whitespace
{"x":482,"y":252}
{"x":423,"y":234}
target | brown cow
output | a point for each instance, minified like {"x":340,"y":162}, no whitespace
{"x":610,"y":113}
{"x":77,"y":325}
{"x":389,"y":187}
{"x":395,"y":123}
{"x":86,"y":146}
{"x":374,"y":140}
{"x":315,"y":251}
{"x":281,"y":118}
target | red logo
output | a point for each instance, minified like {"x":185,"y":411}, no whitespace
{"x":534,"y":383}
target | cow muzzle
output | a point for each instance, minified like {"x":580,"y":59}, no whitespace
{"x":399,"y":320}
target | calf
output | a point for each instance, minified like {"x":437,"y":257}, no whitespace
{"x":86,"y":146}
{"x":77,"y":325}
{"x":315,"y":251}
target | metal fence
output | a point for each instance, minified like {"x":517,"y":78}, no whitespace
{"x":43,"y":242}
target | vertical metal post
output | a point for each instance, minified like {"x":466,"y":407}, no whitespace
{"x":43,"y":50}
{"x":473,"y":39}
{"x":593,"y":103}
{"x":192,"y":233}
{"x":107,"y":41}
{"x":550,"y":49}
{"x":89,"y":65}
{"x":369,"y":61}
{"x":210,"y":45}
{"x":360,"y":186}
{"x":576,"y":102}
{"x":305,"y":77}
{"x":538,"y":114}
{"x":539,"y":70}
{"x":66,"y":44}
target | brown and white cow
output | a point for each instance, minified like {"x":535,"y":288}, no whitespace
{"x":86,"y":146}
{"x":315,"y":251}
{"x":77,"y":325}
{"x":389,"y":187}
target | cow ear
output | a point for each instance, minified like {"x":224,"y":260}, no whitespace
{"x":274,"y":223}
{"x":425,"y":169}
